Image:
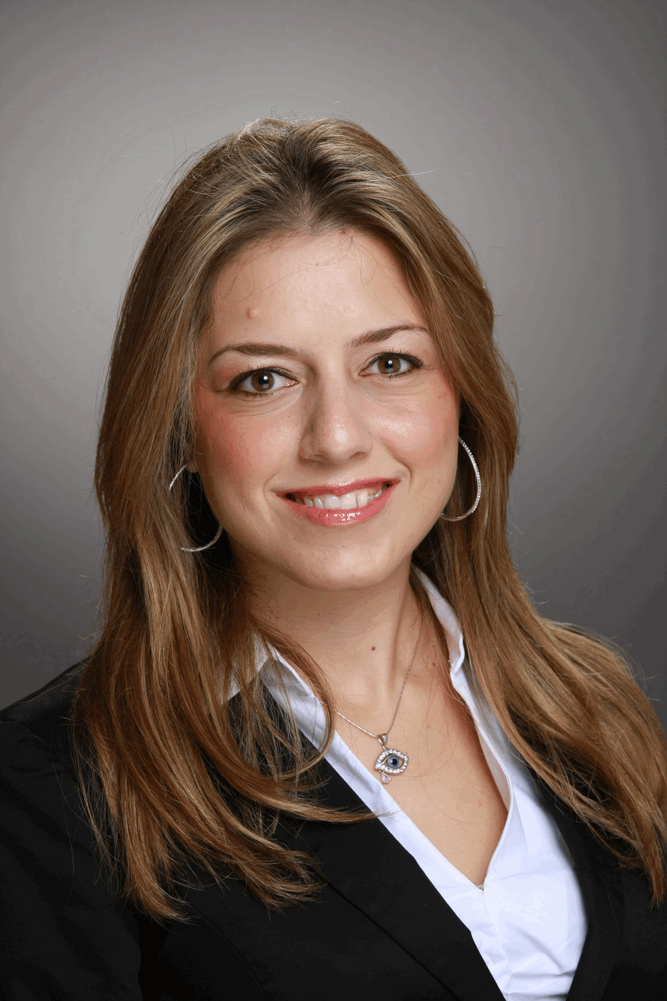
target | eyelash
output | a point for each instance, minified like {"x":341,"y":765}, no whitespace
{"x":237,"y":383}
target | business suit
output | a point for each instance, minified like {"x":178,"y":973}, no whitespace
{"x":378,"y":929}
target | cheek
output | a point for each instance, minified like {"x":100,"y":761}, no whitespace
{"x":430,"y":448}
{"x":427,"y":429}
{"x":234,"y":450}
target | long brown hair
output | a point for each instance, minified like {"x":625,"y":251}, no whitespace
{"x":175,"y":770}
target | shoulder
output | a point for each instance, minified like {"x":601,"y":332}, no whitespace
{"x":42,"y":711}
{"x":39,"y":788}
{"x":53,"y":891}
{"x":35,"y":734}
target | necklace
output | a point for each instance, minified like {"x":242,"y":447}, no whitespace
{"x":390,"y":760}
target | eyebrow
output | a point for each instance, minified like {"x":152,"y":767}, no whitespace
{"x":369,"y":337}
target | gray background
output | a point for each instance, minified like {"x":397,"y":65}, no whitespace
{"x":538,"y":128}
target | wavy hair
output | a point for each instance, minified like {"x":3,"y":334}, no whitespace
{"x":175,"y":772}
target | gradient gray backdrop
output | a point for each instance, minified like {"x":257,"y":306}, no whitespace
{"x":537,"y":126}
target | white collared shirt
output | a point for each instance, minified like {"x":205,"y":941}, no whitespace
{"x":528,"y":919}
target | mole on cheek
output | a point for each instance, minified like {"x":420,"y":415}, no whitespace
{"x":251,"y":312}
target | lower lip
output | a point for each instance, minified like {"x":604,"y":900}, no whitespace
{"x":331,"y":517}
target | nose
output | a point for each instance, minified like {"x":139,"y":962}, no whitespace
{"x":336,"y":427}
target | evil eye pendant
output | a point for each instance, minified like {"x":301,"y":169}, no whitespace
{"x":391,"y":762}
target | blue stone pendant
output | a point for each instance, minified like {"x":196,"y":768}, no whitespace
{"x":390,"y":762}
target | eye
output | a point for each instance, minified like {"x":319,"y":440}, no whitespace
{"x":393,"y":364}
{"x":260,"y":382}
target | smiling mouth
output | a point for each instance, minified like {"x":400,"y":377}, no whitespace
{"x":339,"y":502}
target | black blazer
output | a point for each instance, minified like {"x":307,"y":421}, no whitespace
{"x":378,"y":930}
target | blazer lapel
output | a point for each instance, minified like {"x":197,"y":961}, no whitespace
{"x":602,"y":893}
{"x":379,"y":877}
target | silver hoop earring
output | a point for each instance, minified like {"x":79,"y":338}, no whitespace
{"x":197,"y":549}
{"x":479,"y":487}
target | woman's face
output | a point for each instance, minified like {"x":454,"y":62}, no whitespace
{"x":326,"y":426}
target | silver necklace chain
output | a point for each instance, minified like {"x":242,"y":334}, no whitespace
{"x":383,"y":737}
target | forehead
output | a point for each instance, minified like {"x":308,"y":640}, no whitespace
{"x":340,"y":278}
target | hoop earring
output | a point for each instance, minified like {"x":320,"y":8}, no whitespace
{"x":479,"y":487}
{"x":197,"y":549}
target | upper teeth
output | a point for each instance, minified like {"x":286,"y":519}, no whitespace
{"x":356,"y":498}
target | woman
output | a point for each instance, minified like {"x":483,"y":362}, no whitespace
{"x":281,"y":773}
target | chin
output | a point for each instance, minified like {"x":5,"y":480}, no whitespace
{"x":334,"y":565}
{"x":340,"y":572}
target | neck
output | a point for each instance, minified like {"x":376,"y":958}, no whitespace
{"x":362,"y":640}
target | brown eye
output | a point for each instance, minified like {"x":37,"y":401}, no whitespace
{"x":262,"y":381}
{"x":390,"y":364}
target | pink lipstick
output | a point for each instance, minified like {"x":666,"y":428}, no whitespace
{"x":341,"y":504}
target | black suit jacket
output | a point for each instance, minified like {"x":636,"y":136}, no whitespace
{"x":378,"y":930}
